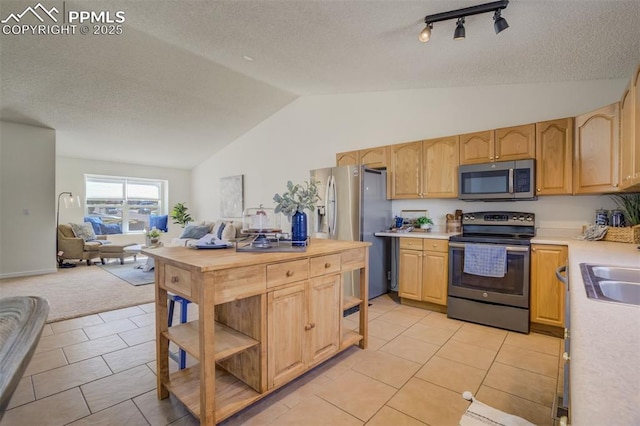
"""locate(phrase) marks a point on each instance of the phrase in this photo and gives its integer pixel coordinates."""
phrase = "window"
(117, 205)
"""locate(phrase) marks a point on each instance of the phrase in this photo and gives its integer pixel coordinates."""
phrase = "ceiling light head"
(425, 35)
(459, 33)
(499, 24)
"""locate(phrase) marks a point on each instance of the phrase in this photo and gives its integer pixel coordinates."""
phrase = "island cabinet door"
(286, 315)
(323, 327)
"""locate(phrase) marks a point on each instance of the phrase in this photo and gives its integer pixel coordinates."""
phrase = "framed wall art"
(231, 196)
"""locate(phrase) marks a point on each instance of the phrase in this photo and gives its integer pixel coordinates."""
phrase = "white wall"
(27, 218)
(70, 177)
(308, 133)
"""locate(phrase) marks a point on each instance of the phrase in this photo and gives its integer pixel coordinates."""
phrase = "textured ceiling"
(174, 88)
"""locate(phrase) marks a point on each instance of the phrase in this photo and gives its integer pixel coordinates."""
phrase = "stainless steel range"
(489, 269)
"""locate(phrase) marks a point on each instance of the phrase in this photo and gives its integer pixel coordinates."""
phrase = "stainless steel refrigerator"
(353, 206)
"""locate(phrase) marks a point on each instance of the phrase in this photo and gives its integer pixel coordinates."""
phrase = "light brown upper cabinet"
(596, 151)
(440, 167)
(554, 156)
(350, 158)
(506, 144)
(627, 136)
(376, 158)
(425, 169)
(630, 135)
(406, 170)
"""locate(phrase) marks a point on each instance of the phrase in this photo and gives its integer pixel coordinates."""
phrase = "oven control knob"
(466, 217)
(485, 295)
(472, 217)
(529, 218)
(514, 218)
(521, 218)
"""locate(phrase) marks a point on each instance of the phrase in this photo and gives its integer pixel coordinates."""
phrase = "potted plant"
(153, 236)
(424, 222)
(293, 203)
(179, 214)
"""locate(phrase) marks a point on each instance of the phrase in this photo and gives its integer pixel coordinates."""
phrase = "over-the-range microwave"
(505, 180)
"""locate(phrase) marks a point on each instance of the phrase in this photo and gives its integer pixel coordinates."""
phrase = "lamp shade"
(71, 201)
(459, 33)
(500, 24)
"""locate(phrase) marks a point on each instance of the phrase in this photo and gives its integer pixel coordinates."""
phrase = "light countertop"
(417, 234)
(605, 336)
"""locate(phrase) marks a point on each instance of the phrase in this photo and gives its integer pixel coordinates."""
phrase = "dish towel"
(479, 414)
(488, 260)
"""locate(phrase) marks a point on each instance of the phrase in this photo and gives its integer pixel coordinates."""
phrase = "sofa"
(222, 229)
(73, 247)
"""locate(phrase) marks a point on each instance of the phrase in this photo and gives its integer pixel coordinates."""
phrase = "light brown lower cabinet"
(423, 270)
(303, 327)
(547, 293)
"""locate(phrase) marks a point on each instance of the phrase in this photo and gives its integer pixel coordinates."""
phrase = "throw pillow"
(83, 230)
(194, 231)
(160, 222)
(224, 230)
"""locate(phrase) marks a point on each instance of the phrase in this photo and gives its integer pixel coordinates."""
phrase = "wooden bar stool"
(181, 356)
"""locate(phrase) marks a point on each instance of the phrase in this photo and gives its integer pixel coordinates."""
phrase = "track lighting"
(425, 34)
(459, 33)
(499, 24)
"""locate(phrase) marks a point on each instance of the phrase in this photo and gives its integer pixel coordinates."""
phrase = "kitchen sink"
(612, 283)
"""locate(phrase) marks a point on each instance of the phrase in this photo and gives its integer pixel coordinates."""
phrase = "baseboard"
(424, 305)
(28, 273)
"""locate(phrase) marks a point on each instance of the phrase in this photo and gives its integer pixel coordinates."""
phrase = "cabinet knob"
(538, 189)
(497, 156)
(175, 279)
(327, 265)
(434, 245)
(309, 326)
(289, 273)
(566, 357)
(615, 185)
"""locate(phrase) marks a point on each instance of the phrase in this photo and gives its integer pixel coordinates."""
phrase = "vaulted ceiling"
(176, 86)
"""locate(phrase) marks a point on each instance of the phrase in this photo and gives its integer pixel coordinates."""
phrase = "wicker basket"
(629, 234)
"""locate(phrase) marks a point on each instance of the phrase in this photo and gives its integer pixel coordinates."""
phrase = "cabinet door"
(286, 321)
(627, 137)
(477, 147)
(596, 151)
(636, 145)
(554, 157)
(406, 170)
(351, 158)
(515, 143)
(323, 332)
(434, 277)
(410, 274)
(440, 163)
(547, 293)
(376, 158)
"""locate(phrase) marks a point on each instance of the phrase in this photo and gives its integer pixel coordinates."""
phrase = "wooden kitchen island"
(264, 319)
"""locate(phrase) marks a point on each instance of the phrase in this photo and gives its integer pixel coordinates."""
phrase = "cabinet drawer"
(287, 272)
(411, 243)
(238, 283)
(353, 259)
(435, 245)
(324, 265)
(177, 280)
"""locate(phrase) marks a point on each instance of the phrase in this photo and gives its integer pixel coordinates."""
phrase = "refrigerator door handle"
(329, 206)
(334, 207)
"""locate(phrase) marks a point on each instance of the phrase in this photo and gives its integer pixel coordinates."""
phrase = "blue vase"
(299, 229)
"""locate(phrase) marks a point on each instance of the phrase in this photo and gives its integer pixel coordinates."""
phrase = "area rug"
(79, 291)
(130, 272)
(479, 414)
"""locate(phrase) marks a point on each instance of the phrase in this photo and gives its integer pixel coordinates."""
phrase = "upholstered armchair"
(76, 248)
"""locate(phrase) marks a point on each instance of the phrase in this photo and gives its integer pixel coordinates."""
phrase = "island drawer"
(238, 283)
(323, 265)
(353, 259)
(287, 272)
(177, 280)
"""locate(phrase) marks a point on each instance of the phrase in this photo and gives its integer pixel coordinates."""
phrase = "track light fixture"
(499, 23)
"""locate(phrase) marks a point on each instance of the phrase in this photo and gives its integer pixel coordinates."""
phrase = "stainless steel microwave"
(505, 180)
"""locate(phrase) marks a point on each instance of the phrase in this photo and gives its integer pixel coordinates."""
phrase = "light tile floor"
(100, 369)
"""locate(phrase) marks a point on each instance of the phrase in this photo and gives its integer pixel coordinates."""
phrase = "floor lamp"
(69, 201)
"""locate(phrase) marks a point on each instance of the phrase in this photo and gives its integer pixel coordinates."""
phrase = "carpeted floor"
(79, 291)
(130, 272)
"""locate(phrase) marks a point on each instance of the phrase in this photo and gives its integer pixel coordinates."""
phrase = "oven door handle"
(509, 248)
(510, 181)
